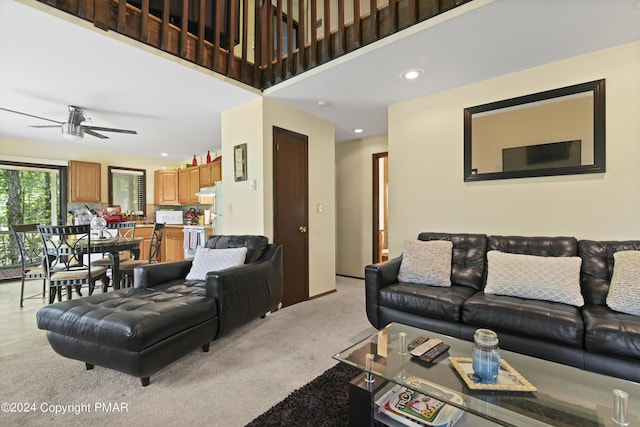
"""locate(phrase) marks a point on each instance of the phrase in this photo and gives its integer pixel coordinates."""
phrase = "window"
(127, 189)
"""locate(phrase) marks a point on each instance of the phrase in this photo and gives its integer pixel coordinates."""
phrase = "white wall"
(322, 226)
(243, 208)
(354, 203)
(251, 212)
(426, 187)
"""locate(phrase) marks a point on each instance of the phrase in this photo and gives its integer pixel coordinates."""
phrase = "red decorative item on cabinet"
(195, 161)
(208, 157)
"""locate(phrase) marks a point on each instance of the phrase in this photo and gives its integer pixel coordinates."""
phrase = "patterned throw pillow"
(427, 262)
(207, 260)
(534, 277)
(624, 290)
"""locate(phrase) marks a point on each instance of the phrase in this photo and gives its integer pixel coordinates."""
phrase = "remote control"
(433, 353)
(416, 342)
(424, 347)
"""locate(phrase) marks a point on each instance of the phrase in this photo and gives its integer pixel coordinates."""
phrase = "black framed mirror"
(556, 132)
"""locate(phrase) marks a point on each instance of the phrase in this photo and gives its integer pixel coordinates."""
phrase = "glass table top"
(564, 396)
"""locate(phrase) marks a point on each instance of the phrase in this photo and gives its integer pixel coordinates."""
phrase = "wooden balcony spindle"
(290, 38)
(301, 36)
(233, 18)
(313, 29)
(217, 29)
(341, 35)
(357, 36)
(201, 21)
(375, 27)
(184, 28)
(164, 39)
(144, 24)
(122, 16)
(279, 55)
(245, 41)
(327, 31)
(259, 51)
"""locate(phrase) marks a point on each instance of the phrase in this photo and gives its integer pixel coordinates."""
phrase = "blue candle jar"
(486, 356)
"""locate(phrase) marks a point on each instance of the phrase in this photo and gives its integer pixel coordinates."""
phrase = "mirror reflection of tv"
(542, 156)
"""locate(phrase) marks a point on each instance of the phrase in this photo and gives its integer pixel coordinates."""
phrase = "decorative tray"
(508, 378)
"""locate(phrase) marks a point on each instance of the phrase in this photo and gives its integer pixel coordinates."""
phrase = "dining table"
(112, 246)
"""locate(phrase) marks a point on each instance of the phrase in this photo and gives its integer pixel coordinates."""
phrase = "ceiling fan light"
(71, 132)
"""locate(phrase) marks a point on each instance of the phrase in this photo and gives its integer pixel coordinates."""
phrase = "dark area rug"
(322, 402)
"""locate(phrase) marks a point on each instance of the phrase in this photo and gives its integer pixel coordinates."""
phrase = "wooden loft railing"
(241, 39)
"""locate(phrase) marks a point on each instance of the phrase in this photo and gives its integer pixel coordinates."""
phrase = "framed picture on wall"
(240, 162)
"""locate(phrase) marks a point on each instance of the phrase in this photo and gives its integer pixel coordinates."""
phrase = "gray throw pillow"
(426, 262)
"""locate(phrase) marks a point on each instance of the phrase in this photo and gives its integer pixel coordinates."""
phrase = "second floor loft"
(259, 43)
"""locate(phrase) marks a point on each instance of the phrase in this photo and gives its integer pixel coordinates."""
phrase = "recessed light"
(322, 103)
(412, 74)
(358, 130)
(164, 154)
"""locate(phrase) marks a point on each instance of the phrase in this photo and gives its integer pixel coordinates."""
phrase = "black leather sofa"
(140, 330)
(592, 337)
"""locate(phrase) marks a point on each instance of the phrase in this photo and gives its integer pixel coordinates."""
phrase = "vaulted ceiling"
(47, 63)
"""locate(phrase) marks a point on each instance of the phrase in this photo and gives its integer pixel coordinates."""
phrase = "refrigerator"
(217, 209)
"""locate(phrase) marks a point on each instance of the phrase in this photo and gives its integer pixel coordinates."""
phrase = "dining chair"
(31, 257)
(124, 230)
(126, 267)
(68, 250)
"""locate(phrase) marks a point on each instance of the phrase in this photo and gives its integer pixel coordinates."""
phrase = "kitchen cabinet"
(166, 187)
(173, 244)
(188, 185)
(84, 182)
(210, 173)
(145, 233)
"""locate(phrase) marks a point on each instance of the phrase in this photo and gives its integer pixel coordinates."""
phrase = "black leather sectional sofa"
(591, 337)
(140, 330)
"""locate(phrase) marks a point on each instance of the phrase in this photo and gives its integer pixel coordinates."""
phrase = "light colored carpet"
(242, 376)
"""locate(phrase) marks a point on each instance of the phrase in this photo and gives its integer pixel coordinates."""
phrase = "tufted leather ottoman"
(135, 331)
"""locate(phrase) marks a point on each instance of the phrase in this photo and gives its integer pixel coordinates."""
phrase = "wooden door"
(291, 213)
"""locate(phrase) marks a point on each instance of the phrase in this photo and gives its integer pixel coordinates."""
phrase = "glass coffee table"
(563, 396)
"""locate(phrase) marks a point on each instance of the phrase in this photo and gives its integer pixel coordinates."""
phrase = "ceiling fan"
(73, 128)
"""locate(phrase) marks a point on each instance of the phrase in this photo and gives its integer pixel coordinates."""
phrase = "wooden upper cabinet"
(210, 173)
(85, 182)
(189, 185)
(166, 187)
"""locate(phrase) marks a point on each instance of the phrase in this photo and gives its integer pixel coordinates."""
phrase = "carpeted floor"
(321, 403)
(241, 377)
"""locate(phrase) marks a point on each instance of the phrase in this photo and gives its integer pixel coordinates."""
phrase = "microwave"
(169, 217)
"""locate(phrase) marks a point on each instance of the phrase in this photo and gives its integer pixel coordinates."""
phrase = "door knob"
(302, 229)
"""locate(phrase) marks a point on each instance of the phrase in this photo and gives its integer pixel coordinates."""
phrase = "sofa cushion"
(207, 260)
(546, 320)
(534, 277)
(435, 301)
(540, 246)
(597, 266)
(611, 333)
(428, 263)
(467, 259)
(256, 245)
(624, 290)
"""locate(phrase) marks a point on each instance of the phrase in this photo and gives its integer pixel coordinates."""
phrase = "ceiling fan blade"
(30, 115)
(44, 126)
(96, 134)
(132, 132)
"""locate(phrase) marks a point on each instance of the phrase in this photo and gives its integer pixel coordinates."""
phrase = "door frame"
(376, 201)
(275, 131)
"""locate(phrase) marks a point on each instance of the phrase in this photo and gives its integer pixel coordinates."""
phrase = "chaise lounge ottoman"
(134, 331)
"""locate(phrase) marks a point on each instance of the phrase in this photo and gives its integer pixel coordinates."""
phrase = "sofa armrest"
(376, 277)
(246, 292)
(150, 275)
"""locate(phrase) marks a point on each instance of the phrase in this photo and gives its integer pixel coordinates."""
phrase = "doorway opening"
(29, 194)
(380, 206)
